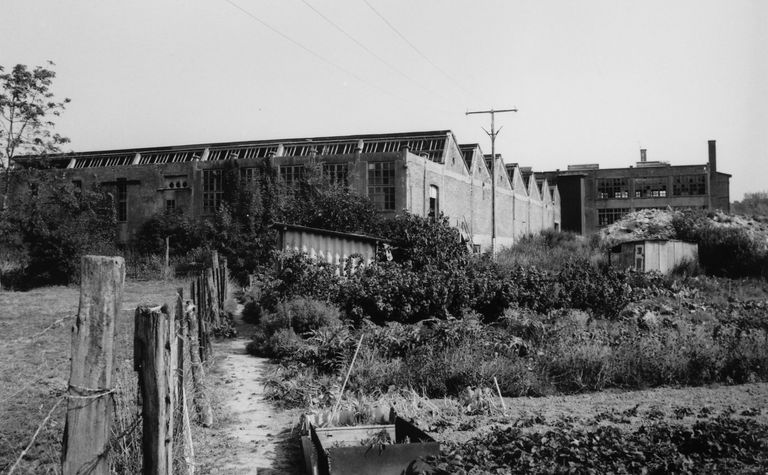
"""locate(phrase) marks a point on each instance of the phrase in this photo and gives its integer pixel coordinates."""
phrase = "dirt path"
(250, 435)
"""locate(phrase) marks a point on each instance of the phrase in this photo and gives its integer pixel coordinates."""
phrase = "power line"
(417, 50)
(310, 51)
(365, 48)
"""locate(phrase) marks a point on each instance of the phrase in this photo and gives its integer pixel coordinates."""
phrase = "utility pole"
(492, 134)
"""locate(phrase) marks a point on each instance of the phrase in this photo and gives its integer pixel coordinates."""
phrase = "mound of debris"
(642, 224)
(657, 224)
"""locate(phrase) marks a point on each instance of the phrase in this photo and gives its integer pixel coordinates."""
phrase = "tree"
(27, 107)
(753, 204)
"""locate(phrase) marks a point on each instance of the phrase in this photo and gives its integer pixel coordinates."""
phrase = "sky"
(593, 80)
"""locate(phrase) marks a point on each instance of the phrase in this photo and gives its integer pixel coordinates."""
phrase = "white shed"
(660, 255)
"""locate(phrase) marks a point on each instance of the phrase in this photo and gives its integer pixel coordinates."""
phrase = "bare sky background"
(594, 80)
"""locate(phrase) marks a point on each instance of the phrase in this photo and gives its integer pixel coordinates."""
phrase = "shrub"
(424, 241)
(731, 252)
(303, 315)
(297, 275)
(548, 251)
(52, 224)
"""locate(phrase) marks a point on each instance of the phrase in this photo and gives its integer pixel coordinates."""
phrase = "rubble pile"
(657, 224)
(642, 224)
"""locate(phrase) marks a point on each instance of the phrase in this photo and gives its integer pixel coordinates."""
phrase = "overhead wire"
(367, 49)
(308, 50)
(318, 55)
(416, 49)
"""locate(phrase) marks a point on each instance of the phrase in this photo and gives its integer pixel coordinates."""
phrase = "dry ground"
(34, 364)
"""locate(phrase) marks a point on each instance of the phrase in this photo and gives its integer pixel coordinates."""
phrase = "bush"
(731, 252)
(302, 315)
(52, 224)
(548, 251)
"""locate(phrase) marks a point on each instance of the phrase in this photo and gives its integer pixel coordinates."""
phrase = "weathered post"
(213, 297)
(181, 422)
(200, 396)
(167, 269)
(224, 291)
(90, 405)
(154, 355)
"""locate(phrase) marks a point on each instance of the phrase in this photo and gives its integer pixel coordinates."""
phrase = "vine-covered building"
(424, 173)
(593, 197)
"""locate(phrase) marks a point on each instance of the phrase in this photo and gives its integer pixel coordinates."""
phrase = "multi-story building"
(592, 198)
(424, 173)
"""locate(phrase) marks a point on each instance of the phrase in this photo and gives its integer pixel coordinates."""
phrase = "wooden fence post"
(181, 423)
(154, 355)
(199, 394)
(90, 405)
(224, 291)
(167, 268)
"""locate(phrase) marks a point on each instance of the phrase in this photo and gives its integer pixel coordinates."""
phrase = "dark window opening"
(610, 216)
(170, 205)
(122, 200)
(686, 185)
(434, 202)
(651, 187)
(609, 188)
(337, 173)
(213, 192)
(291, 174)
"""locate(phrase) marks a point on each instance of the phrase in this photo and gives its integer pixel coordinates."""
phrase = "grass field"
(34, 365)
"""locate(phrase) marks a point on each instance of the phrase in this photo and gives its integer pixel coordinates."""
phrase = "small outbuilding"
(646, 255)
(332, 247)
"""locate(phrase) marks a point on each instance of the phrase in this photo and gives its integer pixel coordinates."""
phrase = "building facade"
(424, 173)
(592, 198)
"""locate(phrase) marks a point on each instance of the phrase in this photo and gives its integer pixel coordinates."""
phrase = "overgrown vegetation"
(721, 445)
(727, 251)
(442, 325)
(241, 229)
(48, 226)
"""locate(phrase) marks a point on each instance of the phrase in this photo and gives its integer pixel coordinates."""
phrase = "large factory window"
(690, 185)
(611, 188)
(381, 185)
(213, 192)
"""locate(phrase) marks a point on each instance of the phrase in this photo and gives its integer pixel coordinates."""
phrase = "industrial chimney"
(643, 157)
(712, 156)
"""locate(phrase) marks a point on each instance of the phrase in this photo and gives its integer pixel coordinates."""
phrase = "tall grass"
(550, 249)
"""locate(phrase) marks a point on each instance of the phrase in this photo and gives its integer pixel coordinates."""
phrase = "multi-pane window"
(689, 185)
(337, 173)
(608, 188)
(250, 176)
(610, 216)
(381, 185)
(122, 200)
(655, 187)
(213, 192)
(291, 174)
(170, 204)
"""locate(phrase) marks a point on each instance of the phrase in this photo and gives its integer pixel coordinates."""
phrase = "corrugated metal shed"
(660, 255)
(328, 246)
